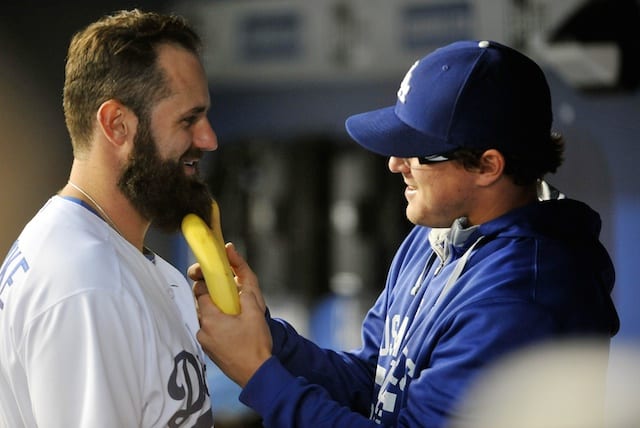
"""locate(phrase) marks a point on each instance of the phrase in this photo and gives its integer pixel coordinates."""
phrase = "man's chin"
(170, 220)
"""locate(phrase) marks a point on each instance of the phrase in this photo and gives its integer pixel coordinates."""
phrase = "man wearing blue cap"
(489, 267)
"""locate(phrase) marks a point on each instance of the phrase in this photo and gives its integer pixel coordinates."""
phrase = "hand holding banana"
(207, 245)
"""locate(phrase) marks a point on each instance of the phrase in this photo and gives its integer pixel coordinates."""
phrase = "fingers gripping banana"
(207, 245)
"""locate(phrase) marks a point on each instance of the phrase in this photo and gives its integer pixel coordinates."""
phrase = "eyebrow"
(196, 110)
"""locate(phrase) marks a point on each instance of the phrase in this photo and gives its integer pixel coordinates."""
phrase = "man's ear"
(115, 121)
(491, 167)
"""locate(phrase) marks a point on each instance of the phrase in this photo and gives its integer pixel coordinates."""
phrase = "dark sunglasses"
(429, 160)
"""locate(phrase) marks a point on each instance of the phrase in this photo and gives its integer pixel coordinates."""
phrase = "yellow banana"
(207, 245)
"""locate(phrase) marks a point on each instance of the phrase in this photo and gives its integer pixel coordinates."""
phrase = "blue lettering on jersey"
(14, 263)
(187, 383)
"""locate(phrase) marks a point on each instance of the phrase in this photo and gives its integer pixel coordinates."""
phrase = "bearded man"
(96, 329)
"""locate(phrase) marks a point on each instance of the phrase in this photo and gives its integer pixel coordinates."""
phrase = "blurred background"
(317, 217)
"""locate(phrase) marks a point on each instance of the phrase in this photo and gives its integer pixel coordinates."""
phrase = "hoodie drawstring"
(457, 271)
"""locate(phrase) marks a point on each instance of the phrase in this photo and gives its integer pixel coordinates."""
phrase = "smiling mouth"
(190, 167)
(409, 186)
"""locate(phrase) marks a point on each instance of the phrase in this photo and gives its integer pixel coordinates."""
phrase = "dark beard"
(159, 189)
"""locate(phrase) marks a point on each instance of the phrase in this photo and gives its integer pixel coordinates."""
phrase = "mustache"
(192, 154)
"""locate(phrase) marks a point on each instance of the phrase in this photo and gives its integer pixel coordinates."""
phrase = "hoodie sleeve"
(308, 386)
(313, 388)
(284, 400)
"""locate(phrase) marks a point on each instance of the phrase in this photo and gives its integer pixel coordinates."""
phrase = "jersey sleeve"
(84, 359)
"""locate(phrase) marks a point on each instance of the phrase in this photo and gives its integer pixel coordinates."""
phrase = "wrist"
(251, 370)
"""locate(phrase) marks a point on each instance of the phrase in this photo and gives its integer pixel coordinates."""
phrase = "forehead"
(185, 75)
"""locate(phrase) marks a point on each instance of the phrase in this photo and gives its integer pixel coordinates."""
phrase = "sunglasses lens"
(433, 159)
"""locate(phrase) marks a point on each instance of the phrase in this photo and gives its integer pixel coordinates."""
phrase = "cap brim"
(382, 132)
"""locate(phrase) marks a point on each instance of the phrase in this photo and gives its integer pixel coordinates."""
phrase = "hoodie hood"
(564, 219)
(566, 230)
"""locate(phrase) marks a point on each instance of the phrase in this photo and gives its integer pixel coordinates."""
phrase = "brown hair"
(116, 58)
(525, 168)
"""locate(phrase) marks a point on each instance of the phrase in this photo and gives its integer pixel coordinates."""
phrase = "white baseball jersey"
(93, 333)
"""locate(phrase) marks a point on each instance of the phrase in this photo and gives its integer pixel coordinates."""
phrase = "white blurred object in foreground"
(570, 384)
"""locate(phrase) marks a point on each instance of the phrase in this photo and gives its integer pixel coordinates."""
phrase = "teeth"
(190, 163)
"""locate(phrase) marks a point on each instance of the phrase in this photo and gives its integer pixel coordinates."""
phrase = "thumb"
(200, 288)
(194, 272)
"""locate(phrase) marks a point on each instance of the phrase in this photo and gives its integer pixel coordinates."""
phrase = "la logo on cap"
(405, 86)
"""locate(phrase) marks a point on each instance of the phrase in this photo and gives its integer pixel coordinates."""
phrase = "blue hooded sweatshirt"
(455, 300)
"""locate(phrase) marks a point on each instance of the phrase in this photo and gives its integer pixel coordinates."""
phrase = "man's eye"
(189, 120)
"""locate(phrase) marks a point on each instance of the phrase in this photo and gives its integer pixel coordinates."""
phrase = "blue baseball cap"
(471, 94)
